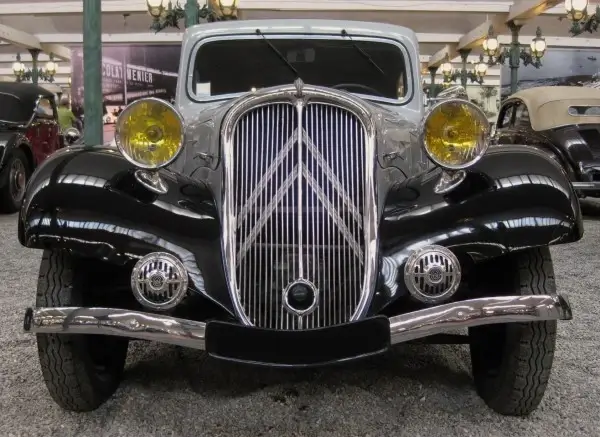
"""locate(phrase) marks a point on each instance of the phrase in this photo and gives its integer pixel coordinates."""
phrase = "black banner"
(130, 73)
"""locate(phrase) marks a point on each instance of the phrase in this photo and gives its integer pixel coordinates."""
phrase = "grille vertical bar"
(297, 176)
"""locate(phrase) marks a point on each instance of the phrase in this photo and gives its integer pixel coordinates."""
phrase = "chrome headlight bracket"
(152, 181)
(449, 180)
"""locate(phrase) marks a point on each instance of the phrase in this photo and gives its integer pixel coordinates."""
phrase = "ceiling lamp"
(165, 15)
(447, 67)
(576, 9)
(51, 66)
(582, 21)
(18, 68)
(156, 7)
(23, 73)
(481, 67)
(491, 47)
(538, 44)
(226, 9)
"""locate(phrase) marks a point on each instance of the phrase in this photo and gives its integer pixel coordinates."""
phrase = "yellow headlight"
(455, 134)
(149, 133)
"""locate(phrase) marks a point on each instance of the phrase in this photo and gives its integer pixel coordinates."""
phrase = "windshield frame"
(191, 63)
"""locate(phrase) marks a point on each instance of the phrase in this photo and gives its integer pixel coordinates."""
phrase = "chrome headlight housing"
(455, 134)
(150, 133)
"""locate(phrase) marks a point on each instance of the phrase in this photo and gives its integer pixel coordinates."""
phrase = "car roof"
(299, 26)
(537, 96)
(27, 92)
(548, 106)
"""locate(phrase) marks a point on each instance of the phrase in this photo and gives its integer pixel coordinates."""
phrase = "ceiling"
(439, 25)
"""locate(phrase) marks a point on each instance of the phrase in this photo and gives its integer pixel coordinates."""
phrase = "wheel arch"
(26, 149)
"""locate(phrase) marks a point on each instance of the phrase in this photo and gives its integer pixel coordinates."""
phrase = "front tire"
(17, 173)
(80, 371)
(512, 362)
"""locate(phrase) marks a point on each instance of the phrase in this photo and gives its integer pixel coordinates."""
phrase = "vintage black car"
(562, 120)
(29, 133)
(289, 212)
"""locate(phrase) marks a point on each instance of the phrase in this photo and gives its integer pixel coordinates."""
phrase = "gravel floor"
(417, 391)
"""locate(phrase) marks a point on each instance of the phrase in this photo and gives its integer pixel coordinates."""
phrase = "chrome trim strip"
(189, 333)
(477, 312)
(300, 106)
(586, 185)
(286, 95)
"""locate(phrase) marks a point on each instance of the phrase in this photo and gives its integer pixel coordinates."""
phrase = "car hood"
(395, 130)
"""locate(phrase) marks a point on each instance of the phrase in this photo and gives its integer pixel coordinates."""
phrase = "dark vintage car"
(288, 211)
(562, 120)
(29, 133)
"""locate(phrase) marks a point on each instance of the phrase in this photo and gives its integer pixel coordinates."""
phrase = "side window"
(45, 109)
(522, 116)
(505, 116)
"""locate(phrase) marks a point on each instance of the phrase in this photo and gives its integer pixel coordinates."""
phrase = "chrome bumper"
(189, 333)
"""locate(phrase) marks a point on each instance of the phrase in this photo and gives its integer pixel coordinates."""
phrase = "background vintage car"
(29, 133)
(288, 212)
(562, 120)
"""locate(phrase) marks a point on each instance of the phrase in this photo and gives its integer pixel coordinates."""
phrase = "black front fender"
(514, 198)
(88, 201)
(11, 141)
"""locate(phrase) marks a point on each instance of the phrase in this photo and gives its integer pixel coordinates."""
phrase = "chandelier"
(164, 14)
(22, 73)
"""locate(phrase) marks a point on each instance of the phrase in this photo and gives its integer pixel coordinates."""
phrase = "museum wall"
(561, 66)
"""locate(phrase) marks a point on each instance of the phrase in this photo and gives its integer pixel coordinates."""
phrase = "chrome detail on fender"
(448, 181)
(151, 180)
(477, 312)
(432, 274)
(189, 333)
(389, 272)
(159, 281)
(303, 209)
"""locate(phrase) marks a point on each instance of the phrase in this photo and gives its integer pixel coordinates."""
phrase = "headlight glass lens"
(149, 133)
(455, 134)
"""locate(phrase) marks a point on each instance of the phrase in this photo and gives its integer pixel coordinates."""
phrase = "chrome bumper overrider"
(189, 333)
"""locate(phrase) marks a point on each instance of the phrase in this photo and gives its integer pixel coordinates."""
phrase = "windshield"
(370, 68)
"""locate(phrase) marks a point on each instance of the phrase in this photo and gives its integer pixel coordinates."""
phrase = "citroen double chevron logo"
(300, 172)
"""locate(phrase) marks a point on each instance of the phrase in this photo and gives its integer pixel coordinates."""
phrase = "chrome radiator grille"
(297, 178)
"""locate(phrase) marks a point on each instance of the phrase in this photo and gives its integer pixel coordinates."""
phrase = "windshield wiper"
(277, 52)
(362, 52)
